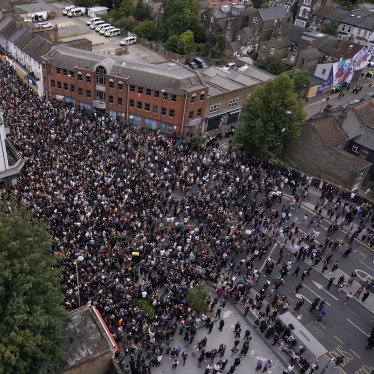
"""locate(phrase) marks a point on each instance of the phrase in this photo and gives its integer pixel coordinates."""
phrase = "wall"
(324, 162)
(98, 365)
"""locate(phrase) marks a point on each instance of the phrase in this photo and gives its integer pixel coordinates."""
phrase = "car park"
(368, 96)
(229, 66)
(128, 40)
(192, 65)
(96, 24)
(93, 20)
(103, 25)
(113, 32)
(106, 29)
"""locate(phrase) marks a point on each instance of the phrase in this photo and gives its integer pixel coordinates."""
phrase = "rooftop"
(329, 132)
(365, 112)
(274, 13)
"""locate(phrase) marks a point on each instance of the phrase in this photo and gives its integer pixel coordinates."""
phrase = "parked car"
(192, 65)
(128, 40)
(368, 96)
(200, 62)
(45, 25)
(229, 66)
(93, 20)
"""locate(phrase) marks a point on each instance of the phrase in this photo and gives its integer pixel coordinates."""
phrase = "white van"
(114, 32)
(93, 20)
(67, 10)
(101, 26)
(96, 24)
(76, 12)
(105, 29)
(128, 40)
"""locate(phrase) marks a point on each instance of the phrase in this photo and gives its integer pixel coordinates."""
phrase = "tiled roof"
(274, 13)
(360, 163)
(347, 50)
(324, 11)
(329, 132)
(365, 112)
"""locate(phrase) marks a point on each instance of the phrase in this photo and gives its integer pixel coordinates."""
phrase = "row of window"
(215, 107)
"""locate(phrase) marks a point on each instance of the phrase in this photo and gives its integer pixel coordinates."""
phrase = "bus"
(128, 40)
(113, 32)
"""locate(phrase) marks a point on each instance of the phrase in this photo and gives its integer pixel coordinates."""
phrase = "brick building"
(167, 96)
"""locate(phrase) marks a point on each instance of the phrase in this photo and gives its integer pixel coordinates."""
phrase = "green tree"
(30, 298)
(265, 120)
(142, 11)
(271, 64)
(330, 28)
(187, 42)
(260, 4)
(196, 298)
(301, 80)
(127, 8)
(173, 44)
(147, 30)
(125, 23)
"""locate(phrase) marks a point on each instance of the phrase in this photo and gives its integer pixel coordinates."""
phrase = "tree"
(260, 4)
(196, 298)
(301, 80)
(142, 12)
(127, 8)
(30, 297)
(173, 44)
(147, 30)
(265, 121)
(271, 64)
(330, 28)
(125, 23)
(187, 42)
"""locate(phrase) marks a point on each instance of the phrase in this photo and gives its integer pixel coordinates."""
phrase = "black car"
(192, 65)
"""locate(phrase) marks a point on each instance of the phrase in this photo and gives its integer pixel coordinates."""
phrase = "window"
(72, 88)
(80, 76)
(229, 25)
(233, 102)
(163, 111)
(88, 78)
(264, 48)
(120, 85)
(190, 114)
(272, 50)
(80, 91)
(119, 101)
(111, 99)
(131, 103)
(214, 108)
(228, 33)
(58, 70)
(292, 58)
(211, 19)
(193, 98)
(302, 61)
(155, 109)
(132, 88)
(166, 127)
(59, 86)
(199, 112)
(111, 83)
(100, 75)
(66, 86)
(255, 20)
(355, 149)
(173, 98)
(147, 107)
(140, 90)
(307, 2)
(349, 28)
(139, 105)
(156, 93)
(88, 93)
(148, 92)
(71, 73)
(343, 27)
(53, 83)
(171, 113)
(202, 96)
(164, 96)
(323, 71)
(100, 95)
(64, 72)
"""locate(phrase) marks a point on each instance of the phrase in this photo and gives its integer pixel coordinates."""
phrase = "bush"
(146, 307)
(196, 298)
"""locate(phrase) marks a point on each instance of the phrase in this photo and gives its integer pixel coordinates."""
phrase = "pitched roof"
(24, 40)
(18, 34)
(8, 28)
(328, 44)
(324, 11)
(281, 43)
(365, 112)
(329, 132)
(274, 13)
(292, 32)
(311, 54)
(347, 50)
(358, 162)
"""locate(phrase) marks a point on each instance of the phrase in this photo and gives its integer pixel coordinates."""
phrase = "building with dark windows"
(168, 96)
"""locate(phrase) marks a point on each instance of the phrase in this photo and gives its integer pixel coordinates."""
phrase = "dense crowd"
(152, 215)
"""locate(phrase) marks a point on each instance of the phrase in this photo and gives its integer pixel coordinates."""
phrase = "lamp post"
(79, 259)
(288, 113)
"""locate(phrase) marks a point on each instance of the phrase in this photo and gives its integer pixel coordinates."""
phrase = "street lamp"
(79, 259)
(288, 113)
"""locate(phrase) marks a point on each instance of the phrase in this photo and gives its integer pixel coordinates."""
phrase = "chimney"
(309, 45)
(341, 117)
(326, 111)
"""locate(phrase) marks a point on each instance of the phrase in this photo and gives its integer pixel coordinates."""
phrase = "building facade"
(169, 96)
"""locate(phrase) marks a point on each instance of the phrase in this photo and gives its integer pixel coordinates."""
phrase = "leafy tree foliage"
(330, 28)
(215, 43)
(260, 4)
(173, 44)
(126, 23)
(196, 298)
(30, 300)
(265, 121)
(143, 11)
(85, 3)
(147, 30)
(271, 64)
(187, 42)
(301, 80)
(127, 8)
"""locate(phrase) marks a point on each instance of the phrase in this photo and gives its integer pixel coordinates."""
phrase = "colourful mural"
(341, 72)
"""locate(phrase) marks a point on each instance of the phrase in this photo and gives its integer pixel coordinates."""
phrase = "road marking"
(300, 296)
(320, 287)
(355, 353)
(316, 294)
(357, 327)
(338, 339)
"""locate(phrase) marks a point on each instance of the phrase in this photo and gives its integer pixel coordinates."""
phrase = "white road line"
(329, 294)
(316, 294)
(300, 296)
(357, 327)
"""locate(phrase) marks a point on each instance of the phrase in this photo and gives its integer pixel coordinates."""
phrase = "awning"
(99, 104)
(301, 333)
